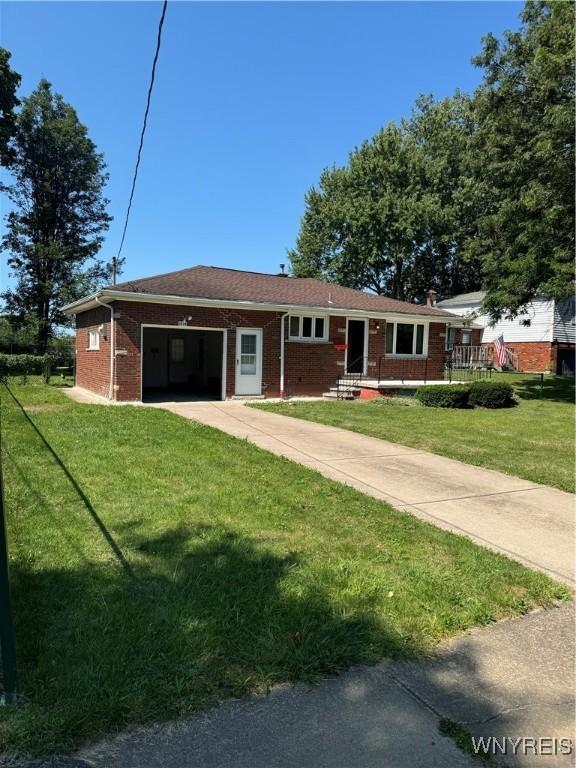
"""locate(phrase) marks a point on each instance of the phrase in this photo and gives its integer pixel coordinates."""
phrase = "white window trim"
(417, 356)
(93, 346)
(308, 339)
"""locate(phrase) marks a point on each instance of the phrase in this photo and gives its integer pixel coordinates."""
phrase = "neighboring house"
(219, 333)
(543, 337)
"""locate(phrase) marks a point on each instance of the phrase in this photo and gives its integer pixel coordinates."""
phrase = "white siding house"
(543, 336)
(535, 324)
(565, 320)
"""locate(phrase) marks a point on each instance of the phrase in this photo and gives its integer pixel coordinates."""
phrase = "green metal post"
(6, 625)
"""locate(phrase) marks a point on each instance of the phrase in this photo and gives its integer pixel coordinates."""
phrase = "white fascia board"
(81, 305)
(107, 296)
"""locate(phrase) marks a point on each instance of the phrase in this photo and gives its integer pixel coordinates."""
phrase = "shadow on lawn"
(210, 615)
(558, 388)
(75, 485)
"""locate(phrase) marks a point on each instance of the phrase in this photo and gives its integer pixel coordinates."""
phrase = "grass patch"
(534, 441)
(463, 740)
(159, 566)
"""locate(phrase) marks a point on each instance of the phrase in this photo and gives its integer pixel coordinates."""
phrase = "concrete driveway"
(530, 523)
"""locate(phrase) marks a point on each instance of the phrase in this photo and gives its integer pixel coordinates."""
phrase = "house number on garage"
(182, 322)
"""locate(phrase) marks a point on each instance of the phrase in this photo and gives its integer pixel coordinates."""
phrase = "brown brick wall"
(93, 366)
(534, 356)
(412, 368)
(310, 368)
(132, 315)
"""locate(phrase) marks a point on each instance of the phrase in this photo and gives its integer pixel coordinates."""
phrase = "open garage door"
(182, 363)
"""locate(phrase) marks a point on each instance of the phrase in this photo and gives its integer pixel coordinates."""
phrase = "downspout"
(282, 393)
(111, 392)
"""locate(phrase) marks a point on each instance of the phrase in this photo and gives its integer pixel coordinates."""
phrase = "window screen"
(177, 350)
(295, 325)
(419, 339)
(389, 338)
(93, 340)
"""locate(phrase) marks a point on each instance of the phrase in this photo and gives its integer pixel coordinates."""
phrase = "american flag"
(500, 350)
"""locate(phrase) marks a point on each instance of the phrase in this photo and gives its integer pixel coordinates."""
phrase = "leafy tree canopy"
(524, 147)
(9, 82)
(59, 215)
(468, 193)
(392, 219)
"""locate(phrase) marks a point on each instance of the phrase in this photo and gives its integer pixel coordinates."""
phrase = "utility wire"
(151, 86)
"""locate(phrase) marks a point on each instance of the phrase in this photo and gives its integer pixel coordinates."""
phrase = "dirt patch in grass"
(44, 407)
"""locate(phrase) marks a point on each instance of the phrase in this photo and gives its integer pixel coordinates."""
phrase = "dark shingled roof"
(235, 285)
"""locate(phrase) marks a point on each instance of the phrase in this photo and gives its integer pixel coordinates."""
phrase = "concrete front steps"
(342, 394)
(345, 389)
(352, 390)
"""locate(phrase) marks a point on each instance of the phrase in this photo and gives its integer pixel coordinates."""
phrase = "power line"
(151, 86)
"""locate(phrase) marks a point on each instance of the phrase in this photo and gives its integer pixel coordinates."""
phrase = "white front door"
(248, 361)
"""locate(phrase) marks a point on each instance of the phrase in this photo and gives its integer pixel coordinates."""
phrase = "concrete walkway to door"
(530, 523)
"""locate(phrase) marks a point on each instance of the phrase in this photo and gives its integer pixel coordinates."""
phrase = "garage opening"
(182, 364)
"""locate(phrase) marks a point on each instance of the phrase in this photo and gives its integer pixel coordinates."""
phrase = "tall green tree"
(393, 219)
(524, 147)
(358, 224)
(59, 213)
(9, 82)
(442, 132)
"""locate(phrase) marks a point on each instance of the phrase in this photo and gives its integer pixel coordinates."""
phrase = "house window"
(307, 328)
(405, 338)
(93, 340)
(248, 354)
(177, 349)
(449, 345)
(466, 338)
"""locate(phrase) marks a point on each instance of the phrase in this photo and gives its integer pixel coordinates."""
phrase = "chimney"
(431, 297)
(282, 273)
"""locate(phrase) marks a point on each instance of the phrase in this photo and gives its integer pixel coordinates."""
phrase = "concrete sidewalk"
(530, 523)
(514, 679)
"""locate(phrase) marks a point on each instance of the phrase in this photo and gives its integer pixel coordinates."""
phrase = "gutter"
(111, 393)
(190, 301)
(282, 343)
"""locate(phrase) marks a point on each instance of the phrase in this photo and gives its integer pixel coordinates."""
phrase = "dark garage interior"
(181, 364)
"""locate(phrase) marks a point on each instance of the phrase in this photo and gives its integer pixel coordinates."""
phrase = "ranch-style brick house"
(221, 333)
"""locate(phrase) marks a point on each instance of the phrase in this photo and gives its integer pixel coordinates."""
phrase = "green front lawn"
(534, 441)
(159, 566)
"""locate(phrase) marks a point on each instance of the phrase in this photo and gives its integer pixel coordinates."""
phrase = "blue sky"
(252, 101)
